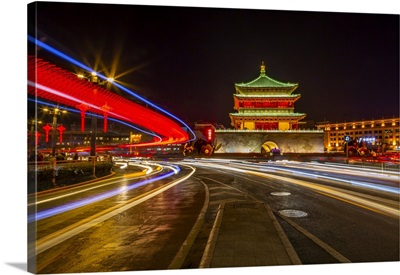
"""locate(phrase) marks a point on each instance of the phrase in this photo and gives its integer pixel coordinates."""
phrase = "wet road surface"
(166, 222)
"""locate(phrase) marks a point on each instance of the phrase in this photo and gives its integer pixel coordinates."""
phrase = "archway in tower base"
(270, 147)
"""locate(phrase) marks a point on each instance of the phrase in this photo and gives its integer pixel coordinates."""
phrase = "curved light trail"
(74, 229)
(79, 64)
(79, 203)
(57, 85)
(52, 83)
(337, 193)
(318, 170)
(159, 168)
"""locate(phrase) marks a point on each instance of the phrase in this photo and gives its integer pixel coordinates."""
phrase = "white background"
(13, 108)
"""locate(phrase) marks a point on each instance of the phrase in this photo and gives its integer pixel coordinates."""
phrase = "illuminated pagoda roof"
(265, 82)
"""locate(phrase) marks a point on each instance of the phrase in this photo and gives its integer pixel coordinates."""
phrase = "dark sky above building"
(186, 60)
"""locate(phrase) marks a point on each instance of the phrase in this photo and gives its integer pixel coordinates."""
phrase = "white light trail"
(330, 191)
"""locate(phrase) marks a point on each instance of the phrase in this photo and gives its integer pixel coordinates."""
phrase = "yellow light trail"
(328, 191)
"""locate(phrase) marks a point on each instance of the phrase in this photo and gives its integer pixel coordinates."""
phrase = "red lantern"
(105, 108)
(61, 129)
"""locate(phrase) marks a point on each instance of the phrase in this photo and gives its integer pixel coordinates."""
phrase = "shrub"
(68, 174)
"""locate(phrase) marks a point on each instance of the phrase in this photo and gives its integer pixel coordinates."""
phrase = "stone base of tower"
(265, 142)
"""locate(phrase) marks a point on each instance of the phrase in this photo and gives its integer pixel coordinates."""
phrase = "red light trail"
(50, 82)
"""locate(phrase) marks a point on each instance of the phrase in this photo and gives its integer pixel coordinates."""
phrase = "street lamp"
(94, 78)
(93, 134)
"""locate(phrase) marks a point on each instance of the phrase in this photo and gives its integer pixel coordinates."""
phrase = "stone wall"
(286, 141)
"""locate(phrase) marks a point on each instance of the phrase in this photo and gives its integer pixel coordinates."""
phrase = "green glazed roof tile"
(264, 81)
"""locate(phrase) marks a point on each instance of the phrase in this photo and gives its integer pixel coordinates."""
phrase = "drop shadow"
(21, 266)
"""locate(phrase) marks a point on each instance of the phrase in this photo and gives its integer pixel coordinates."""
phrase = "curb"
(187, 244)
(212, 240)
(286, 243)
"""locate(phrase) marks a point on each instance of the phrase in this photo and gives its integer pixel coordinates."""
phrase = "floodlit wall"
(291, 141)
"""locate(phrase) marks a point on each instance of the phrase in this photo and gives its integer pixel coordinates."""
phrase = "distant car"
(275, 151)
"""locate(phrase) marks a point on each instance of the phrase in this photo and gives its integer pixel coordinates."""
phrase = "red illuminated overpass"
(52, 83)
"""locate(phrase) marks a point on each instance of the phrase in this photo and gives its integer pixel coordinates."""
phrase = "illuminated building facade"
(382, 133)
(265, 104)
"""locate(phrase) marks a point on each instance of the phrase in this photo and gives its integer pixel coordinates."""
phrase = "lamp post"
(347, 139)
(93, 77)
(93, 134)
(33, 134)
(55, 112)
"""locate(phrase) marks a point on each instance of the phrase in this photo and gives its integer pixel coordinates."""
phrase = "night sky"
(187, 60)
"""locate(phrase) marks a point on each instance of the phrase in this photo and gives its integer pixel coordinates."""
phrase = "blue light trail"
(79, 64)
(76, 204)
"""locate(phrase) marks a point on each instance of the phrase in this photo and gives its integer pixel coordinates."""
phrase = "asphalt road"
(162, 219)
(326, 220)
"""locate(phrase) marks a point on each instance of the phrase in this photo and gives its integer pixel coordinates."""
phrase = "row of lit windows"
(358, 137)
(75, 138)
(77, 143)
(386, 131)
(354, 126)
(333, 144)
(173, 146)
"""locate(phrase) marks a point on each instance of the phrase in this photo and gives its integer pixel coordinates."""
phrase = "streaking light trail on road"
(74, 229)
(341, 194)
(76, 204)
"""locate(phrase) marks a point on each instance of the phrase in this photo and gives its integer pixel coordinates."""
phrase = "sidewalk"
(247, 234)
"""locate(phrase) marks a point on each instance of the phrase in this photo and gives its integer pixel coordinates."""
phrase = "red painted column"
(105, 109)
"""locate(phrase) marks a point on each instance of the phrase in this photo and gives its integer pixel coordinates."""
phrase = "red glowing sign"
(209, 133)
